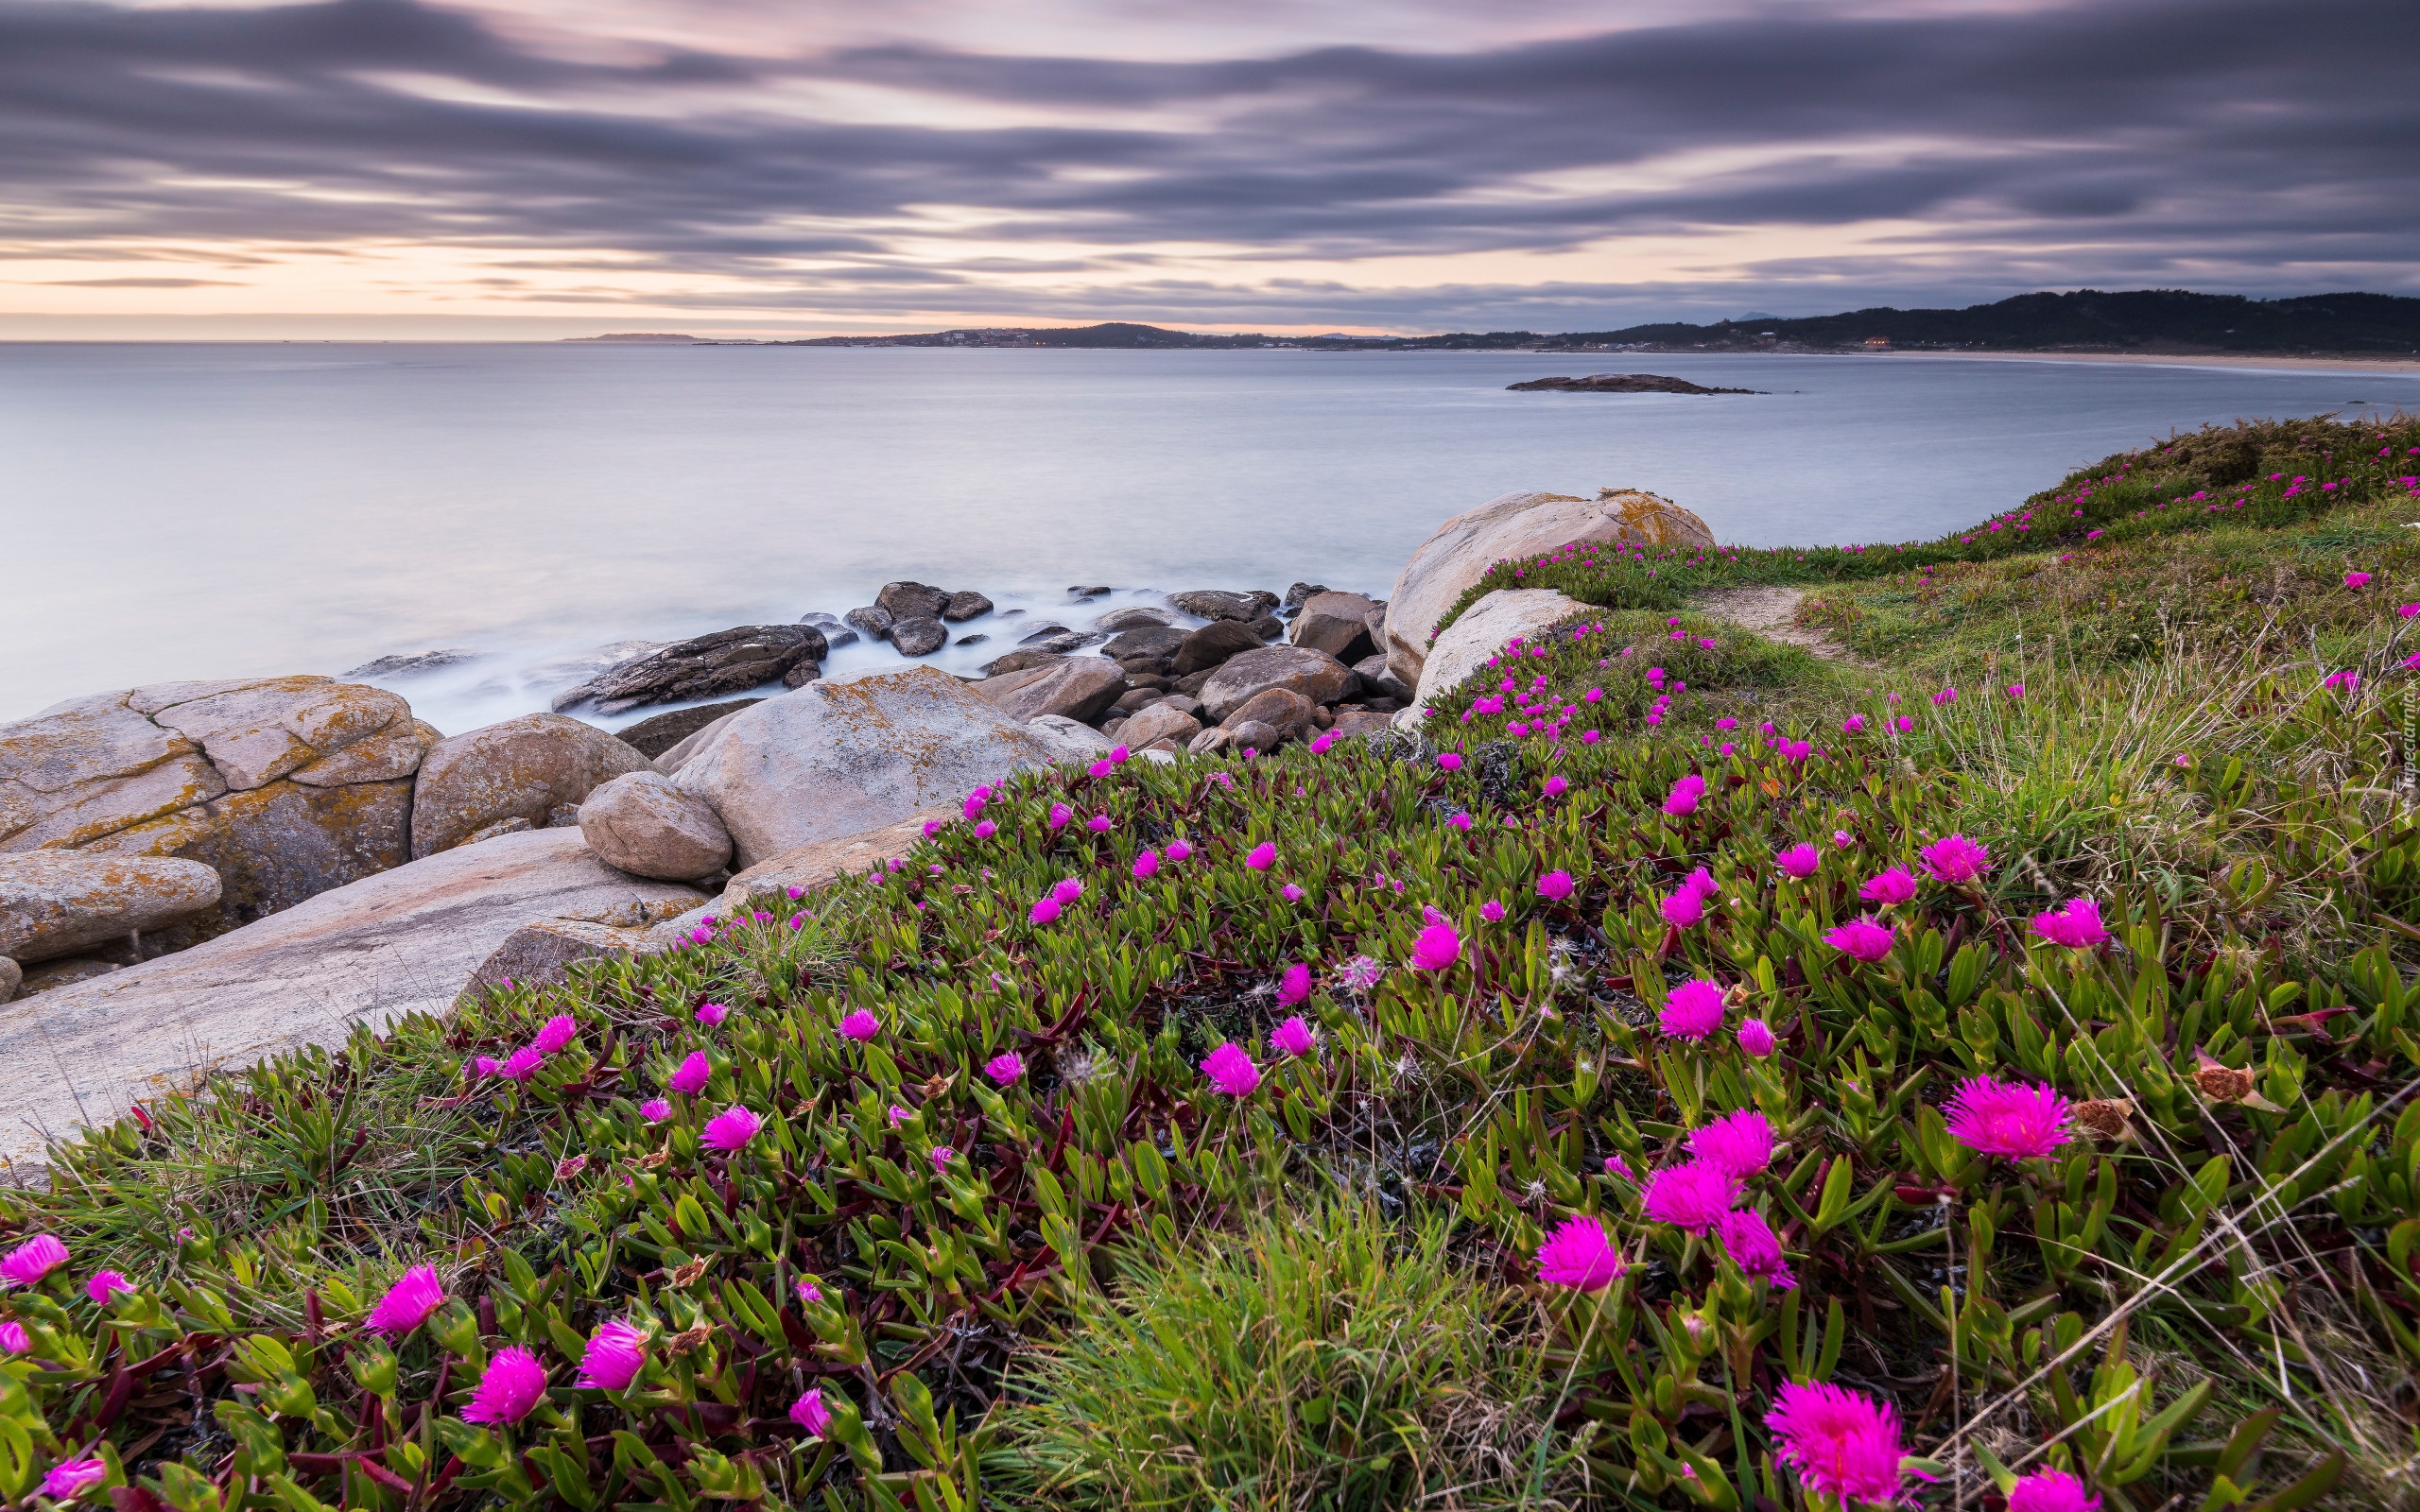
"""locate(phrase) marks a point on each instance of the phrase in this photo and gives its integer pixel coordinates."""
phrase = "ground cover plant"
(1681, 1074)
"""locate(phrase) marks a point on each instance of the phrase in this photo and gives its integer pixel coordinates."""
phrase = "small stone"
(1089, 592)
(910, 601)
(871, 620)
(965, 606)
(971, 639)
(414, 665)
(1134, 617)
(644, 824)
(1211, 645)
(1043, 632)
(1019, 661)
(1209, 741)
(1301, 593)
(1252, 735)
(1220, 604)
(921, 636)
(11, 976)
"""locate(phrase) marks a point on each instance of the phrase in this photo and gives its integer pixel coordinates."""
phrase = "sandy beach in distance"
(2351, 366)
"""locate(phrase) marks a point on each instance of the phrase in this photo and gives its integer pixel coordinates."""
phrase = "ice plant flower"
(2015, 1121)
(522, 1063)
(2356, 580)
(1006, 1069)
(2078, 926)
(1953, 858)
(862, 1026)
(2050, 1491)
(1146, 863)
(70, 1479)
(13, 1339)
(1045, 911)
(810, 1413)
(1896, 886)
(1580, 1256)
(731, 1129)
(1067, 890)
(1264, 856)
(986, 829)
(655, 1109)
(106, 1284)
(943, 1155)
(1555, 887)
(1684, 908)
(1292, 893)
(1556, 786)
(1230, 1069)
(1844, 1444)
(1682, 800)
(514, 1383)
(1756, 1037)
(1693, 1197)
(1100, 824)
(407, 1303)
(31, 1261)
(1179, 851)
(559, 1031)
(807, 1290)
(1059, 815)
(1861, 938)
(1801, 860)
(712, 1014)
(1616, 1165)
(615, 1354)
(693, 1074)
(1292, 1037)
(1692, 1011)
(1437, 947)
(1492, 911)
(1449, 760)
(1753, 1246)
(1294, 985)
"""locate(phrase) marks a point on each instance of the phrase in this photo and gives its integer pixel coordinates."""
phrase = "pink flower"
(2050, 1491)
(1492, 911)
(2077, 927)
(522, 1063)
(1944, 696)
(514, 1383)
(712, 1014)
(1616, 1165)
(1852, 723)
(1006, 1069)
(1100, 824)
(691, 1078)
(862, 1026)
(1693, 1197)
(1799, 859)
(1953, 858)
(1740, 1143)
(1230, 1069)
(32, 1260)
(1753, 1246)
(70, 1479)
(1264, 856)
(615, 1352)
(1861, 938)
(943, 1155)
(1118, 755)
(976, 800)
(898, 1115)
(1578, 1255)
(1147, 864)
(1905, 723)
(731, 1129)
(1327, 738)
(1293, 894)
(1844, 1444)
(932, 827)
(106, 1284)
(808, 1292)
(2356, 580)
(1293, 1037)
(1756, 1037)
(1461, 821)
(558, 1032)
(986, 829)
(2015, 1121)
(1555, 887)
(1896, 886)
(1067, 890)
(1684, 908)
(1059, 815)
(1437, 947)
(2016, 690)
(1449, 760)
(484, 1067)
(1556, 786)
(1693, 1010)
(1045, 911)
(1179, 851)
(407, 1303)
(810, 1413)
(655, 1109)
(1684, 799)
(1294, 985)
(13, 1339)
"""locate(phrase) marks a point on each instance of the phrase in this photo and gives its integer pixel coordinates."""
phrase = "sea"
(203, 510)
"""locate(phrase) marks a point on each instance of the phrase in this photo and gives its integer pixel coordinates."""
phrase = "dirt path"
(1771, 614)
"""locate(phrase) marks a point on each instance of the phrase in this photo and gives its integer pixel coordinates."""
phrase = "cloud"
(140, 282)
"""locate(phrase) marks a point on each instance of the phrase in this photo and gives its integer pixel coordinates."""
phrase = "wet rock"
(1080, 687)
(965, 606)
(707, 667)
(653, 737)
(517, 768)
(919, 636)
(57, 902)
(1211, 645)
(1315, 675)
(1150, 644)
(870, 620)
(415, 664)
(1089, 592)
(1221, 604)
(1043, 632)
(835, 630)
(644, 824)
(1338, 624)
(1302, 593)
(1134, 617)
(909, 600)
(971, 639)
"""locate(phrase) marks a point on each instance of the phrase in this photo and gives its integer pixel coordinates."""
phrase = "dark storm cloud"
(2127, 143)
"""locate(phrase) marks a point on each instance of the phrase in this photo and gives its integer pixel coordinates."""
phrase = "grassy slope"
(1322, 1294)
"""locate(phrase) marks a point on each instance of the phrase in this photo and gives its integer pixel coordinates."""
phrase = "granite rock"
(1315, 675)
(648, 826)
(517, 768)
(57, 902)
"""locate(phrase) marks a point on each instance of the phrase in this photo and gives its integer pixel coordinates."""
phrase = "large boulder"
(55, 902)
(835, 759)
(653, 737)
(276, 846)
(965, 605)
(1315, 675)
(1151, 641)
(1484, 629)
(400, 942)
(1076, 740)
(911, 601)
(1211, 645)
(1222, 604)
(1282, 709)
(1080, 687)
(647, 826)
(1338, 624)
(918, 635)
(84, 769)
(259, 729)
(1160, 721)
(871, 620)
(1461, 550)
(520, 768)
(708, 666)
(11, 975)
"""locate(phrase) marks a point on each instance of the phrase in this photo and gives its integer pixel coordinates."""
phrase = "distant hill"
(646, 338)
(2174, 321)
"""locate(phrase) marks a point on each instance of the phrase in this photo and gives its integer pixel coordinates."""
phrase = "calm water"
(203, 511)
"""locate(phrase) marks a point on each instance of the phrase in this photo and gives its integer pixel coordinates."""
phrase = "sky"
(528, 169)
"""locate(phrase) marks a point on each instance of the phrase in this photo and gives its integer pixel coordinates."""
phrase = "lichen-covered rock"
(83, 769)
(519, 768)
(11, 976)
(276, 846)
(648, 826)
(56, 902)
(1485, 628)
(1315, 675)
(912, 601)
(256, 731)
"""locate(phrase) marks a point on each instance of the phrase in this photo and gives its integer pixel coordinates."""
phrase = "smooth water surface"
(179, 511)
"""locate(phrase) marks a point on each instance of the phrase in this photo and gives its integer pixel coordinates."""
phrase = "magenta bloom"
(557, 1032)
(1756, 1037)
(1578, 1255)
(1449, 760)
(13, 1339)
(1230, 1069)
(1616, 1165)
(1146, 863)
(106, 1284)
(2356, 580)
(1264, 856)
(1294, 894)
(70, 1479)
(2078, 926)
(1740, 1143)
(691, 1078)
(1492, 911)
(655, 1109)
(2014, 1120)
(1100, 768)
(1045, 911)
(522, 1063)
(1437, 947)
(2050, 1491)
(810, 1413)
(1100, 824)
(1755, 1248)
(1861, 938)
(32, 1260)
(1896, 886)
(1179, 851)
(1292, 1037)
(514, 1383)
(1006, 1069)
(1799, 859)
(1556, 786)
(943, 1155)
(1684, 909)
(808, 1291)
(407, 1303)
(731, 1129)
(1555, 887)
(1692, 1011)
(1684, 799)
(1059, 815)
(1954, 858)
(1845, 1445)
(712, 1014)
(1294, 985)
(1693, 1197)
(615, 1352)
(862, 1026)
